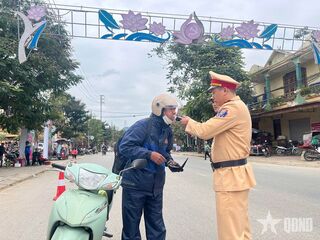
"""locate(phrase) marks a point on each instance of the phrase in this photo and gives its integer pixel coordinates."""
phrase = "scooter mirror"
(139, 163)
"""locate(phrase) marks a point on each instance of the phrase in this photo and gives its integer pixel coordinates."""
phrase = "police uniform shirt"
(231, 130)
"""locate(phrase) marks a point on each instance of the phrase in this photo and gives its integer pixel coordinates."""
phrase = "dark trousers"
(133, 204)
(1, 159)
(206, 153)
(28, 158)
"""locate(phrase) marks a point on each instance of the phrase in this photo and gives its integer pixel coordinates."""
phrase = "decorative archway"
(161, 28)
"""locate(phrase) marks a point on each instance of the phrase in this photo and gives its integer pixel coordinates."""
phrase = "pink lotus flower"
(248, 30)
(157, 28)
(36, 13)
(316, 35)
(133, 22)
(227, 33)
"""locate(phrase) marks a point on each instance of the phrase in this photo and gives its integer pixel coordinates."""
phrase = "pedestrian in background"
(27, 151)
(74, 153)
(2, 151)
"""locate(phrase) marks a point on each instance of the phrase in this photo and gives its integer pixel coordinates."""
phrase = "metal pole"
(101, 102)
(88, 135)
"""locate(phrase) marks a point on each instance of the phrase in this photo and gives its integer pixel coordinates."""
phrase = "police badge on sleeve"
(222, 113)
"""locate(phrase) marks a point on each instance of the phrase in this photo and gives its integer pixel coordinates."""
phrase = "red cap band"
(219, 83)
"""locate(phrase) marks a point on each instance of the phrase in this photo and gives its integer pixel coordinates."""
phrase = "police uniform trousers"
(232, 185)
(232, 215)
(136, 203)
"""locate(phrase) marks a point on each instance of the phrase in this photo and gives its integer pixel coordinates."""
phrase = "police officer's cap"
(219, 80)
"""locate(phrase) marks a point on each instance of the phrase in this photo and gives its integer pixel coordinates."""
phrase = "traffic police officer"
(233, 176)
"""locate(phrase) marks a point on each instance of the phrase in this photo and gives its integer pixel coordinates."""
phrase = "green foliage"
(310, 89)
(274, 102)
(2, 137)
(26, 88)
(112, 134)
(71, 117)
(96, 129)
(188, 73)
(179, 135)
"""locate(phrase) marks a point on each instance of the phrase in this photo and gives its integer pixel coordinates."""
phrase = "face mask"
(167, 120)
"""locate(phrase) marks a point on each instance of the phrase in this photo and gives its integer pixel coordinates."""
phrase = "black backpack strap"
(149, 127)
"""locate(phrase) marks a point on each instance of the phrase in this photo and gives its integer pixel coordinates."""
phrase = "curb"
(22, 180)
(32, 175)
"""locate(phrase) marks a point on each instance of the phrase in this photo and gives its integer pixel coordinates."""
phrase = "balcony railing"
(278, 101)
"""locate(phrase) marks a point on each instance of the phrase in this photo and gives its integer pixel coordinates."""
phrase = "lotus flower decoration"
(133, 22)
(157, 28)
(248, 30)
(190, 32)
(227, 33)
(36, 13)
(316, 35)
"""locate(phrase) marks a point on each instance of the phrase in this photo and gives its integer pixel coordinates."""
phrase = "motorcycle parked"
(291, 150)
(81, 214)
(266, 149)
(11, 158)
(312, 154)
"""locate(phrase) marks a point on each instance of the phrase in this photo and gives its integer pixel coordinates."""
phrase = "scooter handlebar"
(58, 166)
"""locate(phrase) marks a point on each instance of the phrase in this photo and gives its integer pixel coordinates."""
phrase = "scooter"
(292, 150)
(312, 154)
(81, 214)
(266, 149)
(11, 158)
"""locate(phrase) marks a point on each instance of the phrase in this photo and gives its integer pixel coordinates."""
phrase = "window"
(290, 82)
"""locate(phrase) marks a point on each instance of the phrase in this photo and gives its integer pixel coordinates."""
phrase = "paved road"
(290, 194)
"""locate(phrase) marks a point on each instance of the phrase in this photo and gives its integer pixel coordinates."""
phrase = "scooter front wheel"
(69, 233)
(267, 153)
(311, 155)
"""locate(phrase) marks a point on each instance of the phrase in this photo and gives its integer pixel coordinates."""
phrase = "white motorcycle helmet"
(161, 102)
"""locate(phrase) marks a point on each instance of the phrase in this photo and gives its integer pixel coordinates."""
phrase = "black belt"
(233, 163)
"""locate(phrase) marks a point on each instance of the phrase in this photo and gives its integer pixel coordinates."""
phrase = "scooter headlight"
(90, 180)
(69, 175)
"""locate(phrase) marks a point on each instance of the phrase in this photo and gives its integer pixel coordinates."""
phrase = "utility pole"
(88, 130)
(101, 102)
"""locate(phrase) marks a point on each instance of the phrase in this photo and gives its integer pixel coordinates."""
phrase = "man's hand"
(157, 158)
(184, 120)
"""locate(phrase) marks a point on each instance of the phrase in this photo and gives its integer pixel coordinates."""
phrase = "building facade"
(287, 95)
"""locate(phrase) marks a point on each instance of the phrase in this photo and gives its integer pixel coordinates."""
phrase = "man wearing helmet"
(233, 176)
(150, 139)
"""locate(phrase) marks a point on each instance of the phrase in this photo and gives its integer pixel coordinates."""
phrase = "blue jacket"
(27, 150)
(137, 144)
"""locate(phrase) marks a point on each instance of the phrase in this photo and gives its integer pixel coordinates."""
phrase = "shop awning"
(8, 135)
